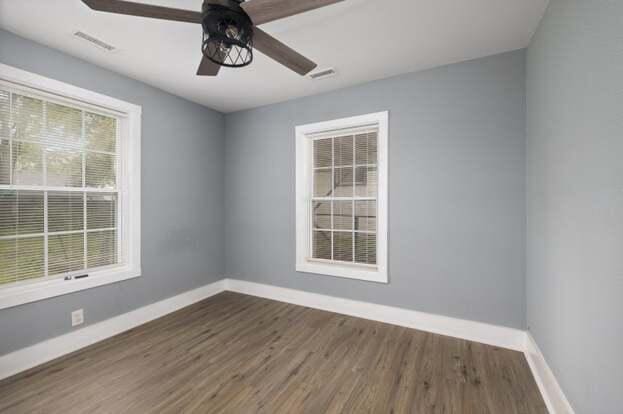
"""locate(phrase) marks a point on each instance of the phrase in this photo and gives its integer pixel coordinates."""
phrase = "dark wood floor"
(241, 354)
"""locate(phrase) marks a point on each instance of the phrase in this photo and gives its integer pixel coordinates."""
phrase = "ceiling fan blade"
(144, 10)
(280, 52)
(264, 11)
(208, 68)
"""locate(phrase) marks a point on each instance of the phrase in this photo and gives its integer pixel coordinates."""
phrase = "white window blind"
(59, 192)
(344, 199)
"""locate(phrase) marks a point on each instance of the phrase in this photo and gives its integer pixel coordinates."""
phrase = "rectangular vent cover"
(94, 41)
(326, 73)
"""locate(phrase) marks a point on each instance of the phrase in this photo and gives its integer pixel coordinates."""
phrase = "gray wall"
(182, 200)
(575, 199)
(457, 193)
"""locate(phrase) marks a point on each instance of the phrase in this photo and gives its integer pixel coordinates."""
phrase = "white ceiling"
(363, 39)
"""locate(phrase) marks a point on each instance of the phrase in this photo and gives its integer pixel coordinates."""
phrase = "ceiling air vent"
(326, 73)
(94, 41)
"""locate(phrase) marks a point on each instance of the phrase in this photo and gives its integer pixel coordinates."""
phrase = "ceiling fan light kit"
(227, 34)
(230, 31)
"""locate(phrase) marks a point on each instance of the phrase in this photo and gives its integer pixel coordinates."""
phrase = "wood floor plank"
(235, 353)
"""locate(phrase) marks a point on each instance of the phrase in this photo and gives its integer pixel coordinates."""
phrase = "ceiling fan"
(230, 31)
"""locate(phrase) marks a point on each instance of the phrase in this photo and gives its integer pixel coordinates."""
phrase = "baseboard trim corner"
(500, 336)
(552, 393)
(42, 352)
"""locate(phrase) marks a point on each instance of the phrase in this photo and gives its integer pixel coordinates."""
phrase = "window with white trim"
(65, 189)
(342, 197)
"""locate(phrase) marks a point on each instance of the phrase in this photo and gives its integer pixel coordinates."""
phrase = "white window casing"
(327, 222)
(66, 203)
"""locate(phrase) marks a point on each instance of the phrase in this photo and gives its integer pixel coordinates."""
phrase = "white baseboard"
(557, 403)
(500, 336)
(553, 395)
(26, 358)
(474, 331)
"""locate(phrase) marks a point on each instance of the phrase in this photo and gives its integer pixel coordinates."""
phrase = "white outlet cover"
(77, 317)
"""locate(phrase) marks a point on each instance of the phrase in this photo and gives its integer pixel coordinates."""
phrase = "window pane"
(27, 163)
(21, 259)
(322, 183)
(343, 215)
(8, 260)
(100, 132)
(365, 248)
(365, 182)
(321, 213)
(64, 168)
(343, 151)
(365, 215)
(30, 258)
(27, 117)
(101, 210)
(101, 248)
(65, 253)
(322, 245)
(343, 246)
(322, 152)
(64, 125)
(100, 170)
(4, 114)
(29, 212)
(65, 211)
(21, 212)
(365, 148)
(5, 162)
(8, 213)
(343, 182)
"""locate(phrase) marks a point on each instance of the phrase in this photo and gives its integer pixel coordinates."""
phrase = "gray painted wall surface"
(457, 190)
(182, 199)
(575, 199)
(457, 193)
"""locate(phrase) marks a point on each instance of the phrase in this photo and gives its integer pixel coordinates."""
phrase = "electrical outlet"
(77, 317)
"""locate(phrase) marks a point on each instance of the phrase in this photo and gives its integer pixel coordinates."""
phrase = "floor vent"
(94, 41)
(326, 73)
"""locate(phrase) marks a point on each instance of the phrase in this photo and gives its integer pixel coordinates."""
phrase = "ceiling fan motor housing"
(227, 33)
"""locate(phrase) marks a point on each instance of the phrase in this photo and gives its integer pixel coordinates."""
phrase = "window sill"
(366, 273)
(18, 295)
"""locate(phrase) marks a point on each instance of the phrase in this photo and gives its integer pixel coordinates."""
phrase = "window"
(68, 201)
(341, 207)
